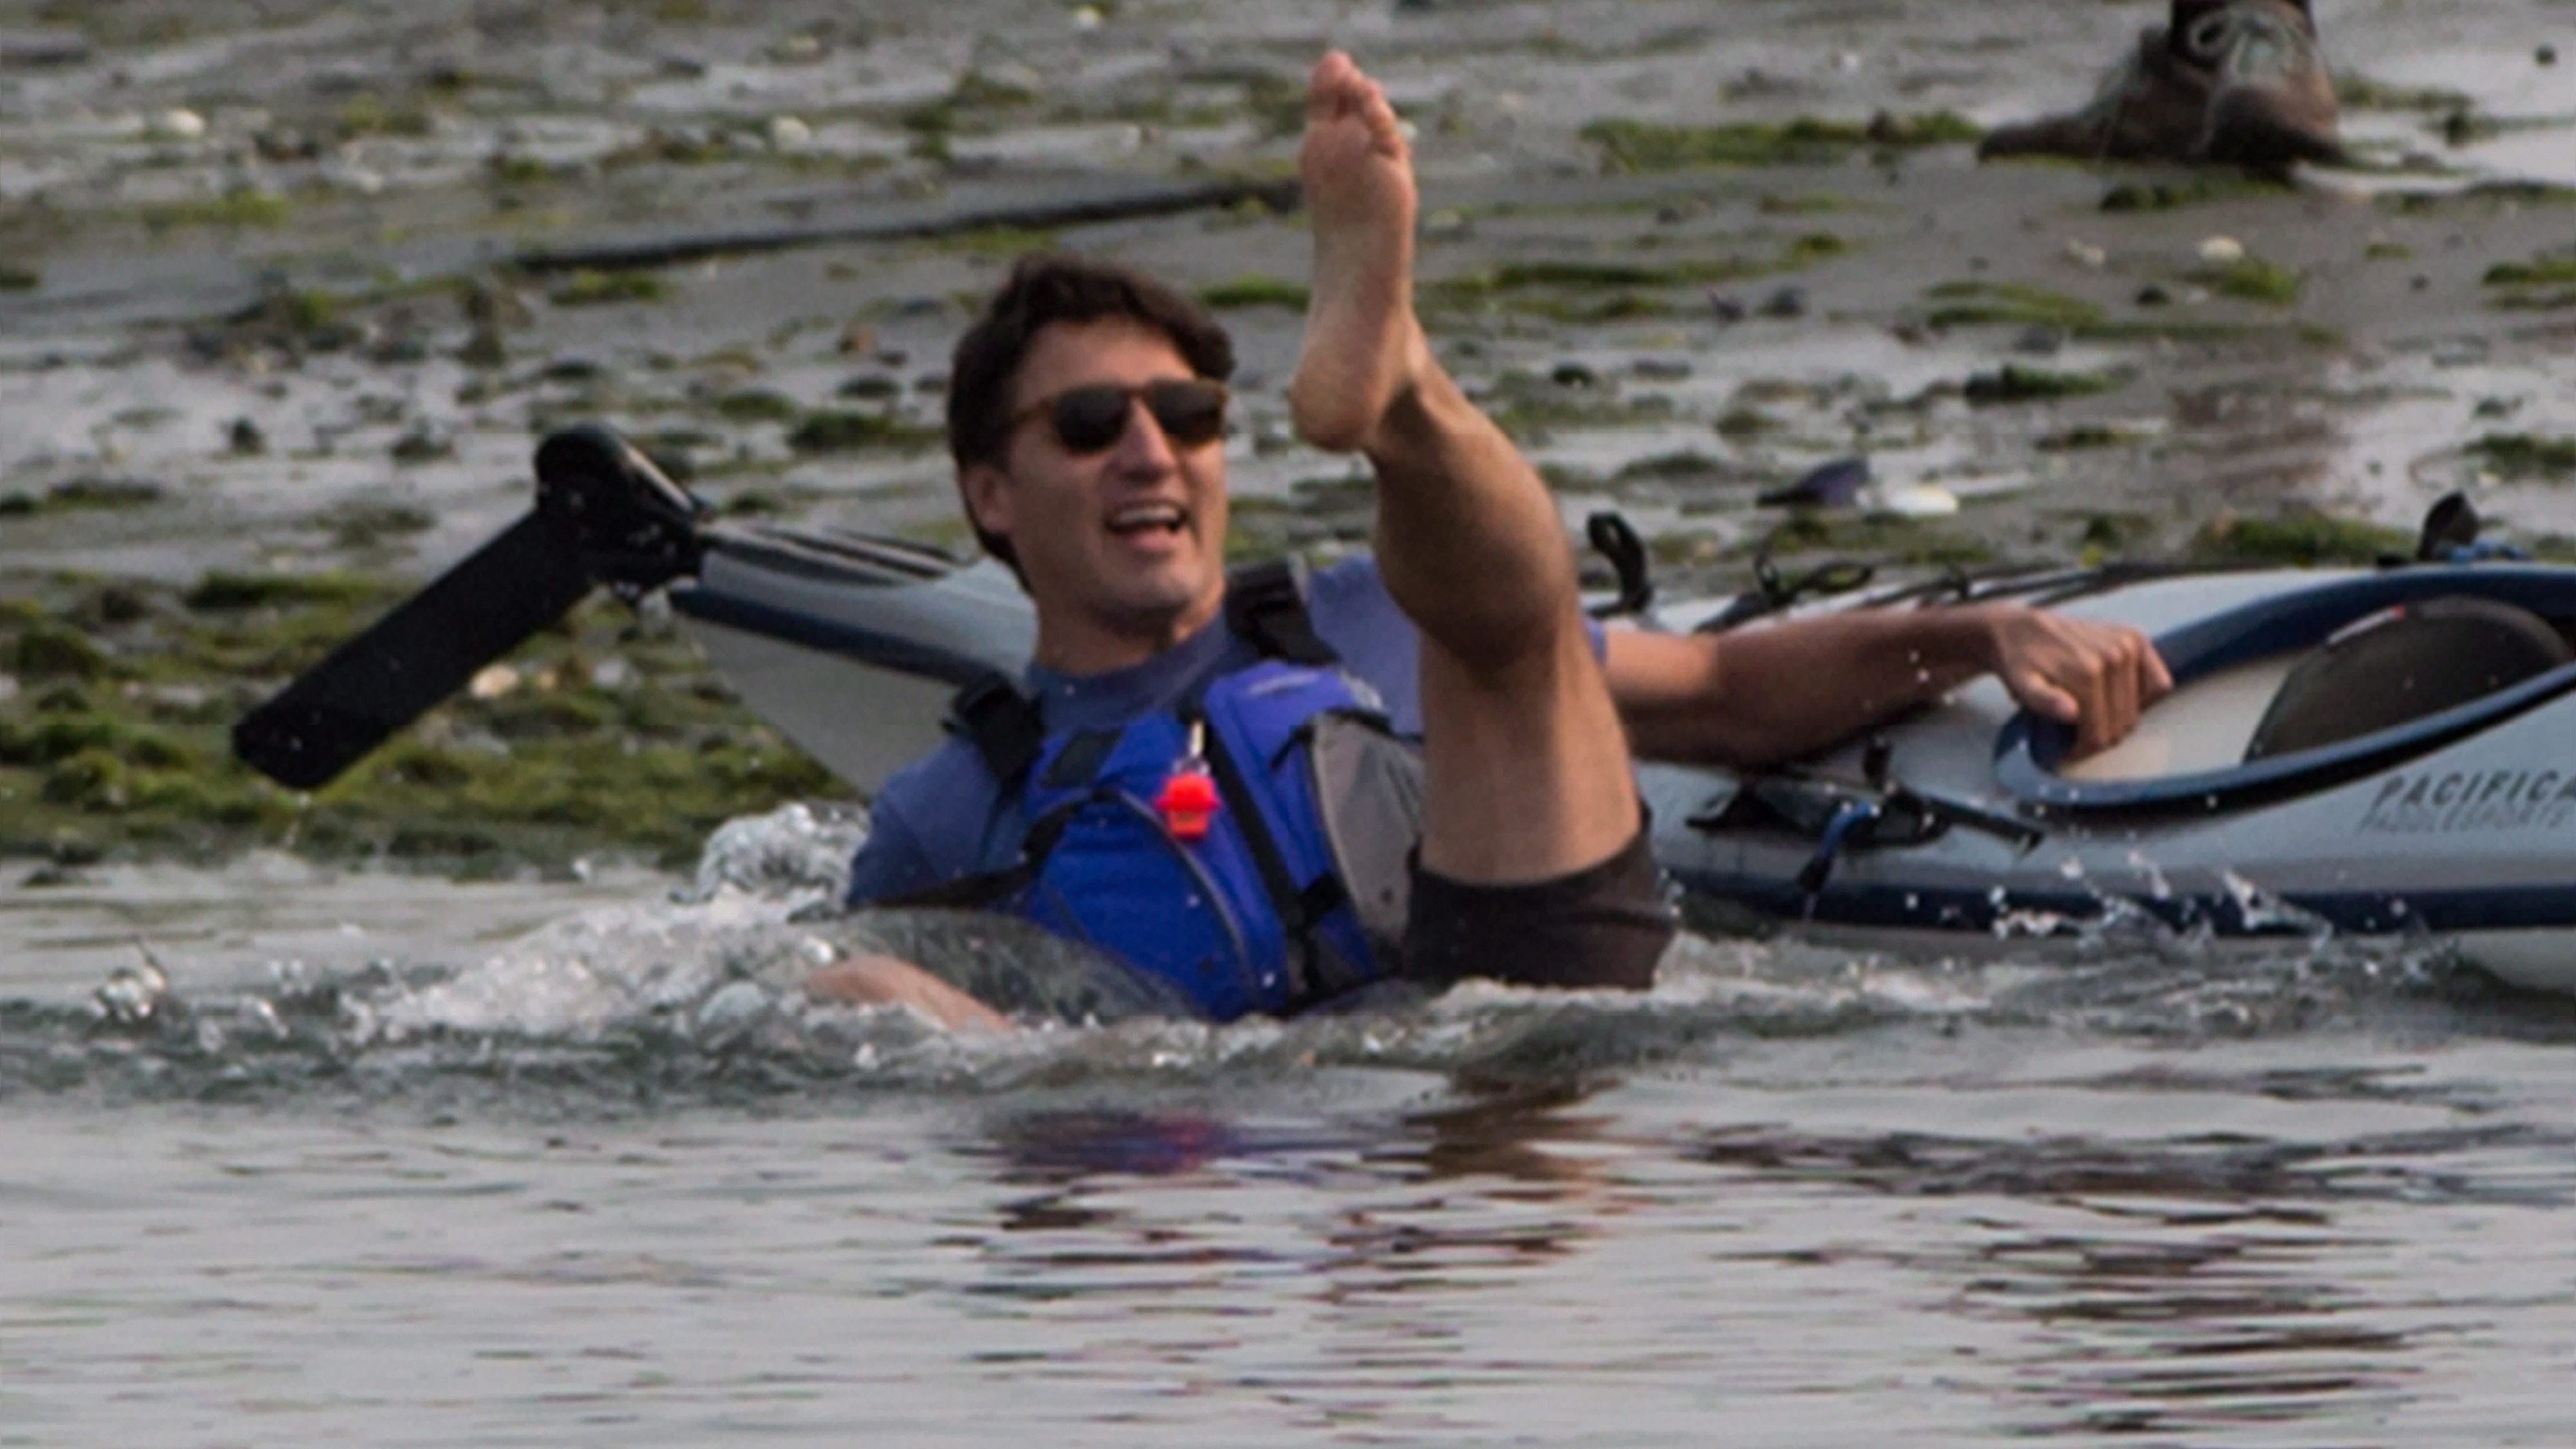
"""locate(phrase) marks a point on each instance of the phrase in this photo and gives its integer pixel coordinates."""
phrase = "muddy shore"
(289, 290)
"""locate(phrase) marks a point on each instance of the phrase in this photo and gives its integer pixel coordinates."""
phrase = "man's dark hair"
(1052, 287)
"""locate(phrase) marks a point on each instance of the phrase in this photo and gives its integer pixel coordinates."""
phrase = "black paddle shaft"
(419, 654)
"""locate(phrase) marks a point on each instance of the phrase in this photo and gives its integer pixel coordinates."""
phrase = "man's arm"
(874, 980)
(1759, 696)
(893, 863)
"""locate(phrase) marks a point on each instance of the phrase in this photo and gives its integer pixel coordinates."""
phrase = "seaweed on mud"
(1529, 405)
(223, 592)
(1807, 203)
(1251, 290)
(2018, 382)
(54, 651)
(361, 524)
(1666, 466)
(1746, 422)
(2536, 301)
(757, 405)
(236, 210)
(514, 170)
(2106, 532)
(968, 106)
(2528, 455)
(1880, 536)
(1981, 304)
(2484, 195)
(1582, 290)
(81, 494)
(2304, 538)
(2527, 286)
(368, 114)
(589, 288)
(14, 278)
(2254, 279)
(839, 431)
(2358, 92)
(2084, 436)
(613, 736)
(1645, 146)
(2196, 190)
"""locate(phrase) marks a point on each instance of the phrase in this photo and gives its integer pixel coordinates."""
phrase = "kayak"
(1962, 827)
(2387, 754)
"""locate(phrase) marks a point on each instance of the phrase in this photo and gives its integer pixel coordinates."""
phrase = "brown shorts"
(1605, 925)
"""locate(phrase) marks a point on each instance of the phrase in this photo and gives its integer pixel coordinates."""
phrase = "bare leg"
(1529, 775)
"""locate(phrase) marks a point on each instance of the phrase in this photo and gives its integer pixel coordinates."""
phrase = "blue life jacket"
(1254, 905)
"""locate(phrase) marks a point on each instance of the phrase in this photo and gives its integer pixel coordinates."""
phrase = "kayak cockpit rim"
(2030, 749)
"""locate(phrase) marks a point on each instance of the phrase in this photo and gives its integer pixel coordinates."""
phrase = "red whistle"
(1188, 803)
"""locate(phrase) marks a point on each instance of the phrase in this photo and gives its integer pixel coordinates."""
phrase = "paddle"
(604, 515)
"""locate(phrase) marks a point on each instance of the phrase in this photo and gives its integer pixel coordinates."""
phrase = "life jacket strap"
(1265, 604)
(1000, 722)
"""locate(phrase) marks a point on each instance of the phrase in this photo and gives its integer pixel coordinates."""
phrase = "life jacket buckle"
(1188, 801)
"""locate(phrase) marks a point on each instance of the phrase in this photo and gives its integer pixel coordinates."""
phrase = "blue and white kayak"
(2384, 754)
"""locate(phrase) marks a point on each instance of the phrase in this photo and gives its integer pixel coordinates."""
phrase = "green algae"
(588, 288)
(1255, 291)
(1808, 203)
(615, 738)
(369, 114)
(221, 591)
(1575, 291)
(2302, 538)
(1645, 146)
(1983, 304)
(2017, 382)
(2362, 93)
(837, 431)
(969, 106)
(1686, 463)
(2537, 301)
(757, 405)
(1744, 422)
(80, 495)
(2528, 286)
(2528, 455)
(1877, 536)
(2197, 190)
(15, 278)
(2084, 437)
(54, 651)
(2482, 196)
(243, 209)
(2255, 280)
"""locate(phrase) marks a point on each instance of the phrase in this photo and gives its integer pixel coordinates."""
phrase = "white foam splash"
(790, 852)
(717, 957)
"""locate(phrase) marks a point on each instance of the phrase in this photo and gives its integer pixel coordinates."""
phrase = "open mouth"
(1149, 520)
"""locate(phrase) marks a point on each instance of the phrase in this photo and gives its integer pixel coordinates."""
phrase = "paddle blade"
(414, 657)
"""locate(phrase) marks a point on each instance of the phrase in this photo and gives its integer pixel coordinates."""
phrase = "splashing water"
(696, 993)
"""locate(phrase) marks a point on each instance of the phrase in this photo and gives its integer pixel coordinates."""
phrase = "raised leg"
(1528, 773)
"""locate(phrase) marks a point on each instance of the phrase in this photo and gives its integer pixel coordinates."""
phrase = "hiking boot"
(2238, 82)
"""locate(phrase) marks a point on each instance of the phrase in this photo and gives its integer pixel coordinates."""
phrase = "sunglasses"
(1092, 419)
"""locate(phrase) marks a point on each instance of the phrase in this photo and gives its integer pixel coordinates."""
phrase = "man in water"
(1086, 418)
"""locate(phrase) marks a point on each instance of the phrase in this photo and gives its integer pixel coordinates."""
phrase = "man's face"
(1123, 548)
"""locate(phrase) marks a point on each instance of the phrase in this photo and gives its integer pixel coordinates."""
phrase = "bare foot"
(1363, 347)
(886, 981)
